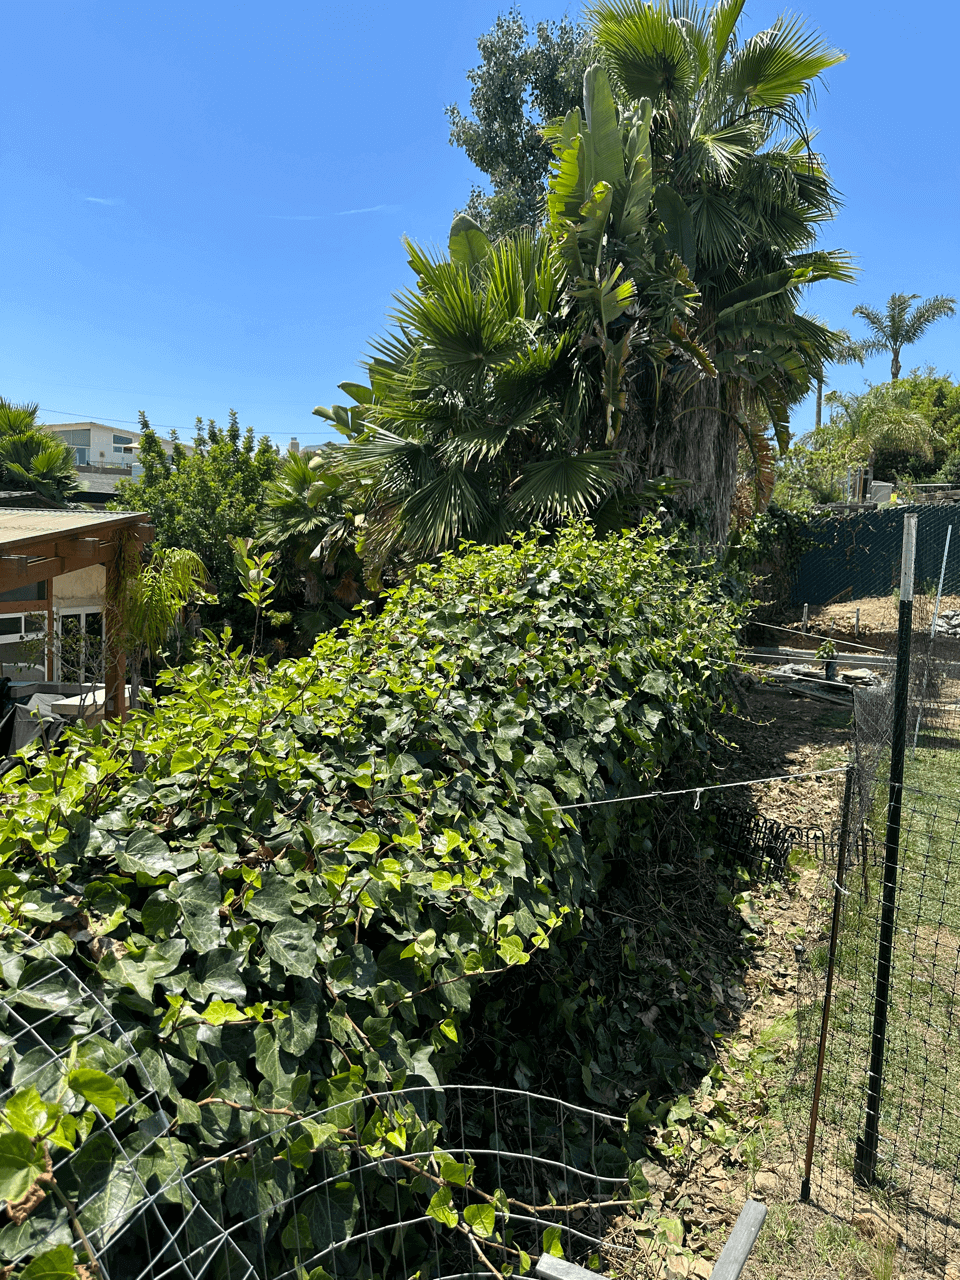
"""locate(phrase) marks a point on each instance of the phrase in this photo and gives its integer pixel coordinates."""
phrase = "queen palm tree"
(900, 325)
(740, 195)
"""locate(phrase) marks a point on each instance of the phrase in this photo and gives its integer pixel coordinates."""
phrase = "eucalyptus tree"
(740, 196)
(902, 325)
(526, 78)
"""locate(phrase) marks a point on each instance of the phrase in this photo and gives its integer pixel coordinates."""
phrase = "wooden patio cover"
(40, 545)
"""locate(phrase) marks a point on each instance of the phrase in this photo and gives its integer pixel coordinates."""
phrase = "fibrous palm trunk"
(692, 439)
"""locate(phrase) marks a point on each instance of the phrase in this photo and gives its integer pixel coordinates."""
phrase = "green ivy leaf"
(99, 1089)
(441, 1207)
(482, 1218)
(292, 943)
(369, 842)
(146, 852)
(55, 1264)
(20, 1165)
(27, 1113)
(551, 1242)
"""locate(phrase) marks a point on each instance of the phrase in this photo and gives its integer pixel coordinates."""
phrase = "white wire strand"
(698, 791)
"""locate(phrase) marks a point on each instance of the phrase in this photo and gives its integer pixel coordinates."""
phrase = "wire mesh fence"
(423, 1181)
(882, 1065)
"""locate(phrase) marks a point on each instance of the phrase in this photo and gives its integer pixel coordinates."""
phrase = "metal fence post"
(728, 1266)
(865, 1161)
(838, 895)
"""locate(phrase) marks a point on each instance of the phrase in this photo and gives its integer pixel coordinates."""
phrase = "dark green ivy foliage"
(309, 888)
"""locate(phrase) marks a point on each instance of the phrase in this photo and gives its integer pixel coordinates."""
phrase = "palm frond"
(778, 64)
(646, 48)
(564, 485)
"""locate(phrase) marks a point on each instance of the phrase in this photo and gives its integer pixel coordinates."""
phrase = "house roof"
(36, 544)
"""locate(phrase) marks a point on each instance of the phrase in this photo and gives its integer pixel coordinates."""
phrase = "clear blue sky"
(205, 201)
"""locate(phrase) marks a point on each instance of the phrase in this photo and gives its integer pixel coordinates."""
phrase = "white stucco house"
(98, 446)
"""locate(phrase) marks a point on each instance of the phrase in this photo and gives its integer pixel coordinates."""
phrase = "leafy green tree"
(814, 468)
(199, 500)
(937, 397)
(901, 325)
(34, 459)
(521, 84)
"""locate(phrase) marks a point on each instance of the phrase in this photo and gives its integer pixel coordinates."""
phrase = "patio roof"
(36, 544)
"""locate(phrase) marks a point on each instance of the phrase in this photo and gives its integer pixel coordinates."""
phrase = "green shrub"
(298, 895)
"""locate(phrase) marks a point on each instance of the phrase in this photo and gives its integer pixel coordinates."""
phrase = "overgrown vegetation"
(198, 501)
(300, 896)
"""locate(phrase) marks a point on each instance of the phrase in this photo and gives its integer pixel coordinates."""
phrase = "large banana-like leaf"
(608, 296)
(756, 290)
(678, 224)
(631, 205)
(469, 246)
(568, 188)
(605, 141)
(357, 391)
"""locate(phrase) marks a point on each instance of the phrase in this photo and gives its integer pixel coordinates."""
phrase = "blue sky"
(205, 201)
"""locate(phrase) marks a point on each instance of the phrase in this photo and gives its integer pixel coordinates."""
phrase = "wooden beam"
(51, 633)
(115, 659)
(16, 564)
(82, 548)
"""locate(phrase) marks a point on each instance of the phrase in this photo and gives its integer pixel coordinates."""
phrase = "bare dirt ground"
(736, 1144)
(878, 616)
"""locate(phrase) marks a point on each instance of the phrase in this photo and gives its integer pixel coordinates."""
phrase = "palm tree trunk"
(819, 417)
(895, 365)
(694, 440)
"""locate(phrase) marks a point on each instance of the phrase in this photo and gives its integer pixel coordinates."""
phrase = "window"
(23, 645)
(122, 439)
(79, 647)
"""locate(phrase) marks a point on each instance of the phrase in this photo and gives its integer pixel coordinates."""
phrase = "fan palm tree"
(32, 458)
(309, 521)
(740, 196)
(478, 414)
(900, 325)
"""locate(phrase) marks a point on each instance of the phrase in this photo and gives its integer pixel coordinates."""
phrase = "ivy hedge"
(290, 888)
